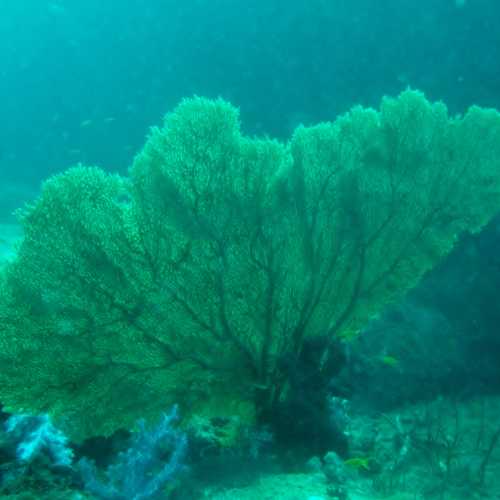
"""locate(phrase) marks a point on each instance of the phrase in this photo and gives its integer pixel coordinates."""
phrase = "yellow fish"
(358, 463)
(389, 360)
(348, 335)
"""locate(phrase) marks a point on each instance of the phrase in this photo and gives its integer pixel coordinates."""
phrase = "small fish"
(389, 360)
(86, 123)
(110, 119)
(348, 335)
(358, 463)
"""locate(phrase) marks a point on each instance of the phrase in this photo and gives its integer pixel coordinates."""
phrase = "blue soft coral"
(34, 436)
(141, 473)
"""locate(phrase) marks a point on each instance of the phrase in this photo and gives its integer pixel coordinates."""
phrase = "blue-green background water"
(81, 81)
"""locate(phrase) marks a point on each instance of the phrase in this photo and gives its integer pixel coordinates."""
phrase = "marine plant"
(36, 435)
(190, 280)
(142, 472)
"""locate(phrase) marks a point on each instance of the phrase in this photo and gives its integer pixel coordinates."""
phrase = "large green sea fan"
(217, 257)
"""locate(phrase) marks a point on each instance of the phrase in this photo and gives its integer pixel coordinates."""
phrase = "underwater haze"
(250, 249)
(82, 81)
